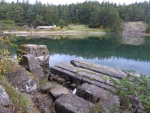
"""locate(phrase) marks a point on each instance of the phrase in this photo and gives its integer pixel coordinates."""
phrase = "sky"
(57, 2)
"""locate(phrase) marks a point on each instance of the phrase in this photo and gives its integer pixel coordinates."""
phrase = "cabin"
(46, 27)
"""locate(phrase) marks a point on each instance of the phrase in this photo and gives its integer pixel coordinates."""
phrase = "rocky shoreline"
(73, 87)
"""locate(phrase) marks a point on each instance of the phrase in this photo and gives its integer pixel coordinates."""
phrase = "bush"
(7, 22)
(148, 29)
(134, 93)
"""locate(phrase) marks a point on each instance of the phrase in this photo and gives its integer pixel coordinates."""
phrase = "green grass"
(80, 27)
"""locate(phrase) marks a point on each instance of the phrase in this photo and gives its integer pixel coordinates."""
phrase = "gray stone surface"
(4, 110)
(46, 110)
(79, 76)
(95, 94)
(47, 86)
(48, 103)
(102, 69)
(60, 80)
(4, 98)
(58, 91)
(22, 79)
(40, 52)
(32, 64)
(72, 104)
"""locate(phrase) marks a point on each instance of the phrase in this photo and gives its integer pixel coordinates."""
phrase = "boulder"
(4, 98)
(25, 81)
(32, 64)
(58, 91)
(72, 104)
(95, 94)
(40, 52)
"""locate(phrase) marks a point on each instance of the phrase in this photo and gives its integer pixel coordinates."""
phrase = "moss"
(43, 81)
(31, 75)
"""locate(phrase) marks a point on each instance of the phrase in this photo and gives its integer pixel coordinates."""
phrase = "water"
(111, 50)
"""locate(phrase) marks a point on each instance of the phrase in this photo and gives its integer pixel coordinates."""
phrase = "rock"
(30, 85)
(95, 94)
(45, 110)
(73, 85)
(32, 64)
(60, 80)
(39, 51)
(58, 91)
(48, 103)
(72, 104)
(22, 79)
(4, 98)
(4, 110)
(47, 86)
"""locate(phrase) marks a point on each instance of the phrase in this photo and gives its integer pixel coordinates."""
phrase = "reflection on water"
(108, 50)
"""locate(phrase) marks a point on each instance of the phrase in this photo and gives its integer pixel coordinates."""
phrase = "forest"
(90, 13)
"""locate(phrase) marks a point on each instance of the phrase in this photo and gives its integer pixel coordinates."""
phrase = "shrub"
(148, 29)
(134, 93)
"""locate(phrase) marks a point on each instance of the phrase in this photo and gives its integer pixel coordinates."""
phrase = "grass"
(80, 27)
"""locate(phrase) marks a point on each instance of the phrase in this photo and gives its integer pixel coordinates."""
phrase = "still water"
(111, 50)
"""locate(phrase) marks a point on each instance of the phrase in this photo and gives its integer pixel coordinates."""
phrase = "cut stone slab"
(22, 79)
(109, 71)
(39, 51)
(4, 98)
(72, 104)
(79, 75)
(58, 91)
(95, 94)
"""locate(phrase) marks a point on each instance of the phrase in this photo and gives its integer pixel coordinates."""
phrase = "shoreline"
(37, 33)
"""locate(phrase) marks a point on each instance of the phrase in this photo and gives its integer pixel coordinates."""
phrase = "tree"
(94, 20)
(61, 23)
(39, 20)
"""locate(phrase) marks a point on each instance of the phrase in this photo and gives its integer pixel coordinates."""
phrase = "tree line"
(91, 13)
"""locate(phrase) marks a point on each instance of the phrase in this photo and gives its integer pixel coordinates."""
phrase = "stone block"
(22, 79)
(72, 104)
(32, 64)
(58, 91)
(95, 94)
(40, 52)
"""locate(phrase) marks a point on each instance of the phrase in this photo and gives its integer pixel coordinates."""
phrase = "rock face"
(4, 98)
(95, 94)
(22, 79)
(34, 58)
(72, 104)
(4, 101)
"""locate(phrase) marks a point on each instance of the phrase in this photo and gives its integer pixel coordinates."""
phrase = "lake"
(111, 50)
